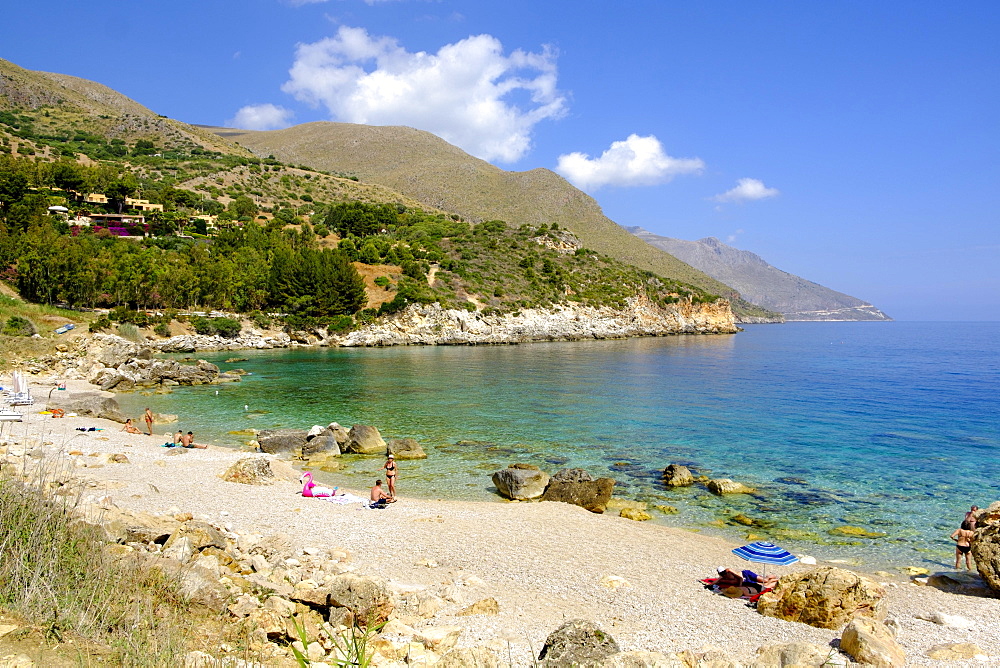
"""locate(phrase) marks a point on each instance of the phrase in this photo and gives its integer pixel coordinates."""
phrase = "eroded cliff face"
(433, 325)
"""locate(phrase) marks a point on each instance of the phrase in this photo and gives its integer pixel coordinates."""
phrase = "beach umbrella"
(765, 553)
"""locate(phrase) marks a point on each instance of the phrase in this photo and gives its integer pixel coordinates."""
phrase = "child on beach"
(963, 537)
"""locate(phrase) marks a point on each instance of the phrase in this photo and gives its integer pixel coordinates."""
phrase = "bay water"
(890, 427)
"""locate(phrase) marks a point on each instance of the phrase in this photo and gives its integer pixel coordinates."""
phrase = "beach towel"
(342, 499)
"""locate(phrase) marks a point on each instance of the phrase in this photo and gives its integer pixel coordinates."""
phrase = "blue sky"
(856, 144)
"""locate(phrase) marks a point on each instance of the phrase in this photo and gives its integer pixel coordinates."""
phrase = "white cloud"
(463, 93)
(261, 117)
(637, 161)
(747, 190)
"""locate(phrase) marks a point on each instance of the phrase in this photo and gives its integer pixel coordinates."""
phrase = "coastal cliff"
(433, 325)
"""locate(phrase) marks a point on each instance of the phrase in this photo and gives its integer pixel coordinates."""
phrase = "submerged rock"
(676, 475)
(721, 486)
(406, 448)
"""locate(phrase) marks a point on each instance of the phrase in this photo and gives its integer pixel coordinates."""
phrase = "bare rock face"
(572, 475)
(676, 475)
(521, 481)
(577, 642)
(721, 486)
(986, 546)
(278, 441)
(199, 534)
(869, 642)
(590, 494)
(824, 597)
(406, 448)
(364, 439)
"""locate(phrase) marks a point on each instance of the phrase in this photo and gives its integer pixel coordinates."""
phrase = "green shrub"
(18, 326)
(261, 320)
(100, 324)
(162, 329)
(383, 282)
(227, 327)
(202, 325)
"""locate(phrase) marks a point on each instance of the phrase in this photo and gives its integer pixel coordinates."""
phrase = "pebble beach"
(545, 563)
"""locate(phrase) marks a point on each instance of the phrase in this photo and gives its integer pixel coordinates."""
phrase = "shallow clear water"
(892, 427)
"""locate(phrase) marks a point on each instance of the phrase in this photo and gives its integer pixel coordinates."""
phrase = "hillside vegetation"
(438, 174)
(255, 235)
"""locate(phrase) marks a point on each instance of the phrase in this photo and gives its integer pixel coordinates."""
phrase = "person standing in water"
(149, 420)
(390, 475)
(963, 544)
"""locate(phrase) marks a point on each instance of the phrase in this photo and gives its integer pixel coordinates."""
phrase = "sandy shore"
(544, 562)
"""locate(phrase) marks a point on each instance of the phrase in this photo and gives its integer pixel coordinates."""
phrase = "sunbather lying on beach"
(746, 583)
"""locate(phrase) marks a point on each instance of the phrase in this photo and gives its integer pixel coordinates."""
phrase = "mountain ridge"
(797, 298)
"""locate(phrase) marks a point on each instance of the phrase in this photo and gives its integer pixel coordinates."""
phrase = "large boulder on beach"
(259, 471)
(793, 654)
(364, 439)
(89, 404)
(406, 448)
(324, 441)
(824, 597)
(521, 481)
(578, 642)
(722, 486)
(986, 546)
(870, 642)
(281, 441)
(590, 494)
(676, 475)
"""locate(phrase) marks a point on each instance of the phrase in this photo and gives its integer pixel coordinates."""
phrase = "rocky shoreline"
(432, 325)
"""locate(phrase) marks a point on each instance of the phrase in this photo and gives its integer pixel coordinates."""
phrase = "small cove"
(891, 427)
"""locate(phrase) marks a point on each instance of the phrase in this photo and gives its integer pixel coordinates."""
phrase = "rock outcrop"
(578, 642)
(364, 439)
(986, 546)
(95, 405)
(434, 325)
(676, 475)
(824, 597)
(521, 481)
(406, 448)
(869, 642)
(722, 486)
(281, 441)
(590, 494)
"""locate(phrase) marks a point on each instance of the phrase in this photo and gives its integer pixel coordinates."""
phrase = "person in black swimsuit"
(390, 475)
(963, 544)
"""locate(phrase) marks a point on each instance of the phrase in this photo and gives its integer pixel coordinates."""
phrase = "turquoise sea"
(892, 427)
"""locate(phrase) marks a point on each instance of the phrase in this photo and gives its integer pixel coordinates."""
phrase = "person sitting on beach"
(130, 428)
(178, 437)
(379, 497)
(972, 517)
(963, 545)
(187, 440)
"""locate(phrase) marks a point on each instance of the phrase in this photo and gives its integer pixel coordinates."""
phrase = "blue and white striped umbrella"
(765, 553)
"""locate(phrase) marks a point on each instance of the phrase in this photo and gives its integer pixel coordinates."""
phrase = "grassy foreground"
(79, 602)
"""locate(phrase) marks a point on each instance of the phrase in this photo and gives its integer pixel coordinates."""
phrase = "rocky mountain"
(759, 282)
